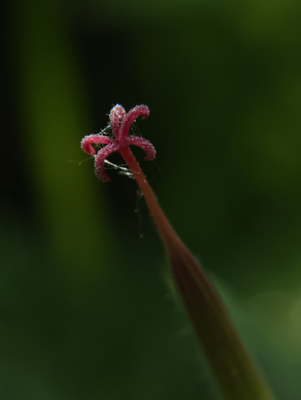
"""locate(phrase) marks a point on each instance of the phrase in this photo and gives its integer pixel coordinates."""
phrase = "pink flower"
(120, 122)
(230, 362)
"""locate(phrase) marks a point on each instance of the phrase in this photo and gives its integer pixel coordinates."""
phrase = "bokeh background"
(87, 305)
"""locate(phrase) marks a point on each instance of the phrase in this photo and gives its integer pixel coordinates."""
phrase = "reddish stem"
(226, 353)
(165, 229)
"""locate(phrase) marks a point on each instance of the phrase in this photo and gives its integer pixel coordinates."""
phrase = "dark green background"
(87, 305)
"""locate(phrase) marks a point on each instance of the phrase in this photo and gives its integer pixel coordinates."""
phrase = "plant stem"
(165, 229)
(227, 356)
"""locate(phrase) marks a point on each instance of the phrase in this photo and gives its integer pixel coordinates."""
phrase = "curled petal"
(130, 118)
(117, 115)
(100, 160)
(87, 141)
(144, 144)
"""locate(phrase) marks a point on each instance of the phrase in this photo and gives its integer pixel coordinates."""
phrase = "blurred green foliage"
(87, 310)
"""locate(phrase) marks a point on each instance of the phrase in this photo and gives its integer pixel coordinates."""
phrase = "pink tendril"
(120, 122)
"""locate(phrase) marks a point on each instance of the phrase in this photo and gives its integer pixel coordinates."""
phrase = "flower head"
(120, 122)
